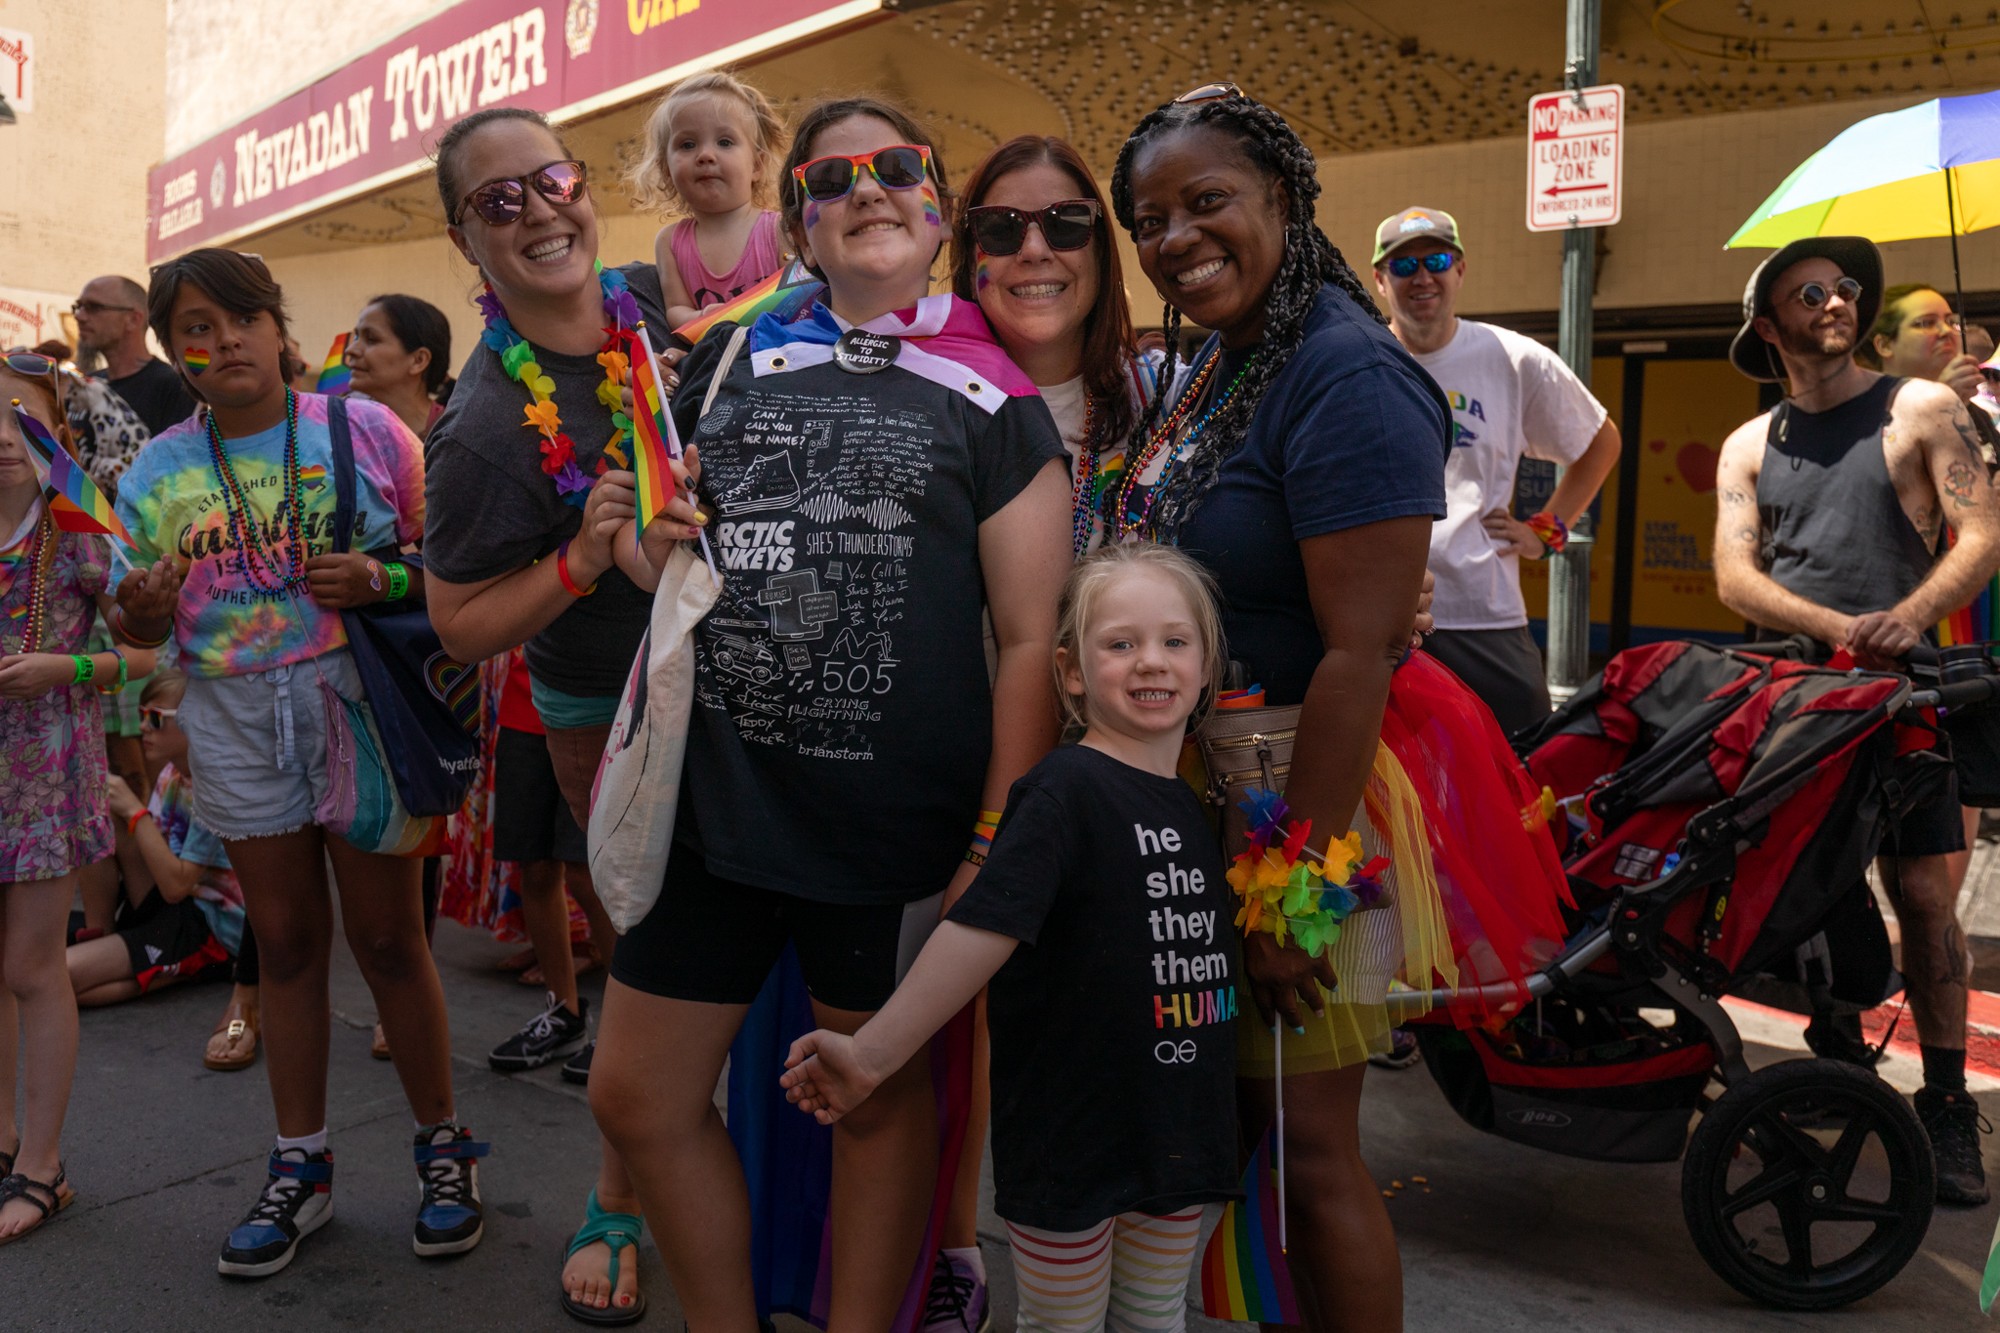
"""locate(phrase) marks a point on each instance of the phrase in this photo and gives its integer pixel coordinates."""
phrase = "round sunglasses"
(1815, 294)
(503, 201)
(1405, 266)
(898, 167)
(1067, 224)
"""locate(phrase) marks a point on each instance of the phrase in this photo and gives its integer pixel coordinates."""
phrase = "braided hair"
(1310, 262)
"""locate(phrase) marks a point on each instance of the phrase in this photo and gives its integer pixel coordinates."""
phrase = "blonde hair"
(652, 185)
(1088, 579)
(162, 682)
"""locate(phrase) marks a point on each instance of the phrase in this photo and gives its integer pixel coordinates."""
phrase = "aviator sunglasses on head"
(1067, 224)
(1405, 266)
(898, 167)
(501, 202)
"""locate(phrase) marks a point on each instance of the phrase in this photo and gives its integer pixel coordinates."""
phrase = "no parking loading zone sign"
(1576, 158)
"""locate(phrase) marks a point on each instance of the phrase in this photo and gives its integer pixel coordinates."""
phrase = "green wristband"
(399, 582)
(124, 674)
(85, 669)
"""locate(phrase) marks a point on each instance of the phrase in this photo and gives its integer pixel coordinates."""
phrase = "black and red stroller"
(1725, 807)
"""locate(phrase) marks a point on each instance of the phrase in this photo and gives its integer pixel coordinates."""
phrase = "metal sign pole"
(1569, 572)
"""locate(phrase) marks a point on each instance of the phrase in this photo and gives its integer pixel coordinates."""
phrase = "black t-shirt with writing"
(156, 392)
(489, 508)
(842, 718)
(1114, 1049)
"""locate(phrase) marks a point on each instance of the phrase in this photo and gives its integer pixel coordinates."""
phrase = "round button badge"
(859, 352)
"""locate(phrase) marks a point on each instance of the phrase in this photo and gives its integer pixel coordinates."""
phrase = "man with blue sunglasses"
(1510, 398)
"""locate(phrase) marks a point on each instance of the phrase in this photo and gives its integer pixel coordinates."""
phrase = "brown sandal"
(238, 1021)
(17, 1186)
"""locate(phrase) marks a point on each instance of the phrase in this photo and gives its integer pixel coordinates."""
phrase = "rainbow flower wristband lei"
(1282, 891)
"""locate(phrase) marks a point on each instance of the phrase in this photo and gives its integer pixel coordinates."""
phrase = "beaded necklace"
(1084, 500)
(39, 558)
(263, 573)
(517, 358)
(1167, 437)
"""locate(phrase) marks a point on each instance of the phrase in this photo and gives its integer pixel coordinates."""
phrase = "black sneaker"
(449, 1215)
(1839, 1037)
(576, 1069)
(1953, 1121)
(546, 1038)
(297, 1201)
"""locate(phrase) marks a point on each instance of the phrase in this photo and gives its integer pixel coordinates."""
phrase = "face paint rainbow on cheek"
(812, 215)
(195, 359)
(931, 215)
(980, 277)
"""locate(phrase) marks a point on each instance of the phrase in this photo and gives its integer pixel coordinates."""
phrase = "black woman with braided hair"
(1300, 457)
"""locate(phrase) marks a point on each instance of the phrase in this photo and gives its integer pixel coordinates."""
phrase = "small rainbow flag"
(786, 292)
(1243, 1272)
(654, 439)
(334, 377)
(75, 503)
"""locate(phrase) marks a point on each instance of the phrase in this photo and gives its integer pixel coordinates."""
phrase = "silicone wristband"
(399, 582)
(86, 669)
(132, 824)
(976, 858)
(124, 674)
(135, 640)
(562, 572)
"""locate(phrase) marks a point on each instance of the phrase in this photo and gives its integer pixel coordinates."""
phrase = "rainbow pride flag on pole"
(1243, 1272)
(75, 503)
(335, 377)
(786, 292)
(654, 439)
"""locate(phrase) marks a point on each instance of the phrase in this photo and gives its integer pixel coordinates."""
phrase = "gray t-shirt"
(490, 509)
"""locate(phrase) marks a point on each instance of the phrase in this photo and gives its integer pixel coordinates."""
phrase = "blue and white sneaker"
(449, 1216)
(297, 1201)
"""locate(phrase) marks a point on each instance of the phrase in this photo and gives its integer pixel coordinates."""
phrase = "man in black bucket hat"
(1831, 513)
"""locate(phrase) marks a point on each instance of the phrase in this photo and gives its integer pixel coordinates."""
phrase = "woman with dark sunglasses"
(519, 517)
(876, 472)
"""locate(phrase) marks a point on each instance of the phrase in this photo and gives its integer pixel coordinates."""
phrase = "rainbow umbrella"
(1927, 170)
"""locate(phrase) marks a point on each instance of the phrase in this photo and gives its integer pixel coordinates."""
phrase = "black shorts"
(531, 820)
(714, 941)
(169, 939)
(1502, 666)
(1934, 828)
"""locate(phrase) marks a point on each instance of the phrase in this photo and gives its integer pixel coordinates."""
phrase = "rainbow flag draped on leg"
(1243, 1272)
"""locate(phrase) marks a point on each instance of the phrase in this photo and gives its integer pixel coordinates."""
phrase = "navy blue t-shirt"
(1353, 431)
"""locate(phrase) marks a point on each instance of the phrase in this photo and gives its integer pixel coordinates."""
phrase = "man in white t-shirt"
(1510, 397)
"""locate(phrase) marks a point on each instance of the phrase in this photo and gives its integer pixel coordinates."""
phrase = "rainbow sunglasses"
(900, 166)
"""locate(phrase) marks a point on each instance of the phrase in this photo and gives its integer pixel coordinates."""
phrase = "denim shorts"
(257, 745)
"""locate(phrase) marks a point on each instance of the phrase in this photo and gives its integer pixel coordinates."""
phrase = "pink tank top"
(761, 256)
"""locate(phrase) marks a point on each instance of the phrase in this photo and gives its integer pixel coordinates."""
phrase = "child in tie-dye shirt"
(244, 572)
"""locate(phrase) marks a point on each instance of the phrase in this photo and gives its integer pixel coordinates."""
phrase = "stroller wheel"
(1808, 1184)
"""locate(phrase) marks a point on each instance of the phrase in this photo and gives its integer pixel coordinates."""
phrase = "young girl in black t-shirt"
(1112, 1035)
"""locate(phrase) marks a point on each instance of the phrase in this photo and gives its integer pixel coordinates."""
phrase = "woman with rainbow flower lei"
(1301, 459)
(231, 513)
(528, 484)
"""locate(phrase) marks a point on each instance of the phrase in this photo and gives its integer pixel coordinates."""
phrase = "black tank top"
(1834, 531)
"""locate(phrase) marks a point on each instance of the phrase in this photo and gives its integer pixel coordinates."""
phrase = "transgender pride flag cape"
(945, 340)
(787, 1155)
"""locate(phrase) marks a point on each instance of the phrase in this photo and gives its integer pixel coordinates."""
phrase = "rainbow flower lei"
(1284, 892)
(517, 358)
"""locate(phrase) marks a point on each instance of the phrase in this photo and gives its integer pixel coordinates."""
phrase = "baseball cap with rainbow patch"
(1415, 224)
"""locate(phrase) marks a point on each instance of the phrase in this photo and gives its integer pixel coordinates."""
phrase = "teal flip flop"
(621, 1232)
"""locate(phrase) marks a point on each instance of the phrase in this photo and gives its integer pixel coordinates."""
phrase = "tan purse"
(1252, 747)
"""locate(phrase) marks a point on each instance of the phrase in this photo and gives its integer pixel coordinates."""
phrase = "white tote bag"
(638, 784)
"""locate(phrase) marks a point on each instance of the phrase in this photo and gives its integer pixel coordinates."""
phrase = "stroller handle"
(1957, 694)
(1589, 947)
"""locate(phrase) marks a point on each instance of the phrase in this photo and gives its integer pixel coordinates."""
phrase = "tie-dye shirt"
(171, 500)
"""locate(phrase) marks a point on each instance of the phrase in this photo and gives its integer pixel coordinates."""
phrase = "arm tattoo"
(1733, 496)
(1961, 484)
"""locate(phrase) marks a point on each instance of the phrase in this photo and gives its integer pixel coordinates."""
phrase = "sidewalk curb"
(1982, 1028)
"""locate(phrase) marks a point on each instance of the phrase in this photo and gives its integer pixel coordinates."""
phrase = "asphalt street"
(166, 1155)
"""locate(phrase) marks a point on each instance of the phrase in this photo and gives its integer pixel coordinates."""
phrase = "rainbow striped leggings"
(1127, 1274)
